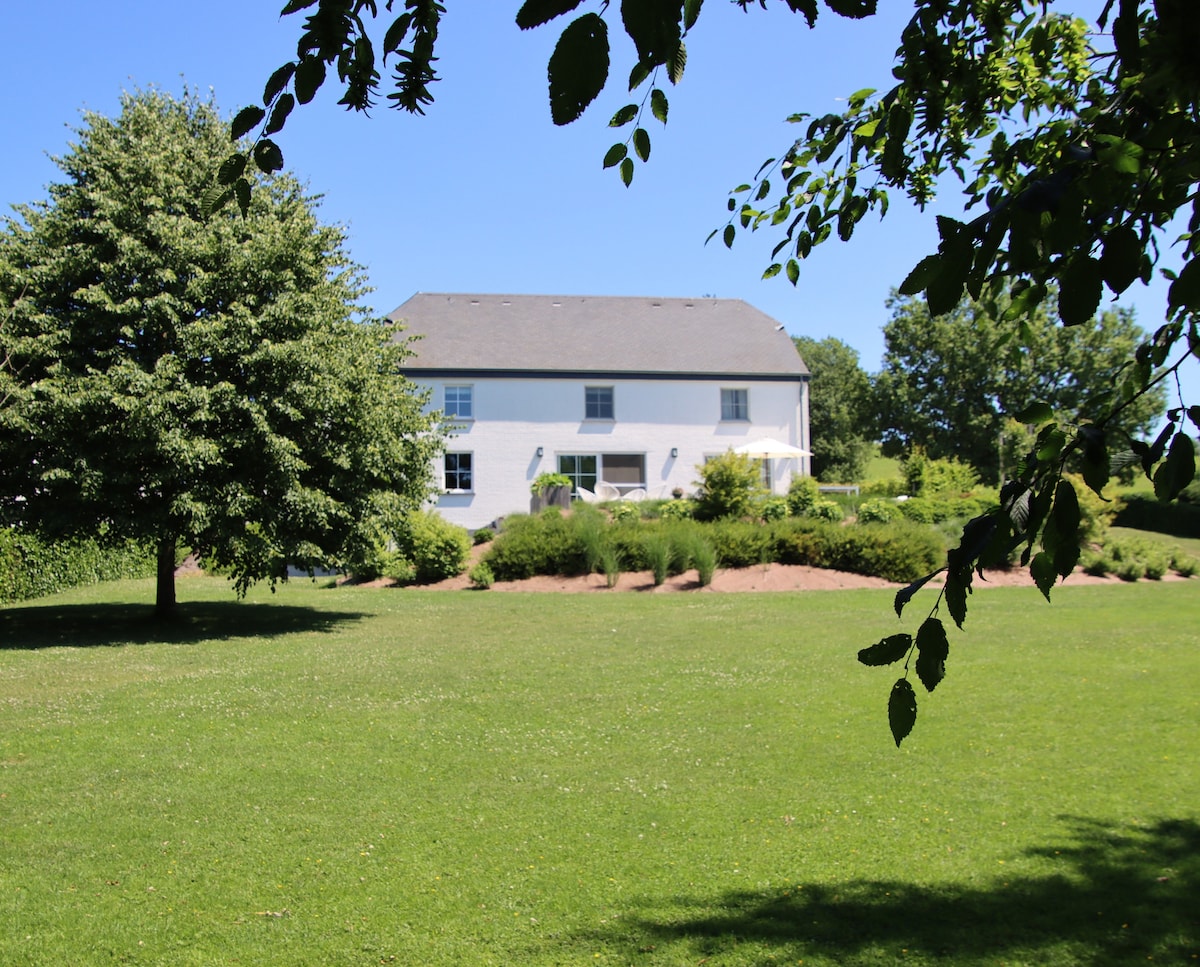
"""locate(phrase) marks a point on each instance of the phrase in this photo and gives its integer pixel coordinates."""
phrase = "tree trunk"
(164, 603)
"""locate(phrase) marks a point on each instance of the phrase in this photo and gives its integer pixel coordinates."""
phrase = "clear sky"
(484, 194)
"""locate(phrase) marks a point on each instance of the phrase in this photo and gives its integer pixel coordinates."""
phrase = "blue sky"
(484, 194)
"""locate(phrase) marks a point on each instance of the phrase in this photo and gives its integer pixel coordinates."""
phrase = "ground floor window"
(581, 468)
(625, 471)
(457, 473)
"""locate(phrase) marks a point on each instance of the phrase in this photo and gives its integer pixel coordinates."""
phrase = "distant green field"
(354, 776)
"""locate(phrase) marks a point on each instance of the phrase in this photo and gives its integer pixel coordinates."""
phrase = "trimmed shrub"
(741, 543)
(828, 510)
(678, 510)
(545, 544)
(891, 487)
(481, 576)
(31, 567)
(1184, 564)
(483, 536)
(623, 512)
(877, 511)
(803, 492)
(436, 548)
(773, 508)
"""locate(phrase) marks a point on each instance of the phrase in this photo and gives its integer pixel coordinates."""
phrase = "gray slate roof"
(596, 334)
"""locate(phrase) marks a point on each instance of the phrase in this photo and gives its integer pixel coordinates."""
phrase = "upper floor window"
(459, 402)
(735, 404)
(598, 403)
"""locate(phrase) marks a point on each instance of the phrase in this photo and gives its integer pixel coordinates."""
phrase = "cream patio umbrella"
(768, 448)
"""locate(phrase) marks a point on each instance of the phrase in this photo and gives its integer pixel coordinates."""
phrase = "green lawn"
(353, 776)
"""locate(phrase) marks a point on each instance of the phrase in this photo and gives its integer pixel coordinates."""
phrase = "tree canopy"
(195, 382)
(1076, 142)
(840, 409)
(949, 383)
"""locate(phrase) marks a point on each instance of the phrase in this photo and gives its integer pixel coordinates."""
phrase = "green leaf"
(1121, 258)
(215, 198)
(1185, 290)
(623, 116)
(1095, 467)
(283, 107)
(772, 270)
(293, 5)
(730, 232)
(534, 13)
(1044, 574)
(396, 33)
(919, 278)
(658, 105)
(1079, 291)
(641, 143)
(1064, 524)
(231, 169)
(241, 190)
(887, 651)
(904, 595)
(246, 120)
(578, 67)
(691, 10)
(615, 155)
(638, 75)
(932, 650)
(1178, 470)
(310, 75)
(958, 586)
(267, 156)
(277, 82)
(627, 171)
(902, 710)
(793, 271)
(1035, 414)
(1120, 155)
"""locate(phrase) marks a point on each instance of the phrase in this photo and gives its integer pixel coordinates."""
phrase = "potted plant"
(551, 489)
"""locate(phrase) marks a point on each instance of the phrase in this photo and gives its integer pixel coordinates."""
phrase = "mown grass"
(353, 776)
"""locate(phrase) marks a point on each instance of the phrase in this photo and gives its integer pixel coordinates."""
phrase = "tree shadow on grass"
(92, 625)
(1122, 895)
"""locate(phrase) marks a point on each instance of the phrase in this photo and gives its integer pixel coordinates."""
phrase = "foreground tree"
(948, 381)
(839, 409)
(195, 382)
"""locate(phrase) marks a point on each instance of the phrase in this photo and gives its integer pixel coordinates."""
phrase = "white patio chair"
(635, 495)
(606, 491)
(587, 496)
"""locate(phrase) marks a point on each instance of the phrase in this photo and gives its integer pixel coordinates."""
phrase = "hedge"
(33, 568)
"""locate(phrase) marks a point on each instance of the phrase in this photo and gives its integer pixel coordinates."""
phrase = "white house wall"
(515, 417)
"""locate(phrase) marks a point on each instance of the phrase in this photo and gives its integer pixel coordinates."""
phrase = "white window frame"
(735, 400)
(590, 402)
(463, 392)
(458, 470)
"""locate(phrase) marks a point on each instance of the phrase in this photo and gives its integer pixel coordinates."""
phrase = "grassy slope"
(351, 776)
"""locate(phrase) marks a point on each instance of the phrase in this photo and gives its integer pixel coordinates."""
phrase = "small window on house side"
(459, 402)
(735, 404)
(581, 468)
(457, 473)
(598, 403)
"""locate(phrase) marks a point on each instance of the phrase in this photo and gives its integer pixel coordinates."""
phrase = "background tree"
(840, 410)
(948, 381)
(198, 382)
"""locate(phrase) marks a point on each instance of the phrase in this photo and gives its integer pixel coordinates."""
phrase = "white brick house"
(635, 392)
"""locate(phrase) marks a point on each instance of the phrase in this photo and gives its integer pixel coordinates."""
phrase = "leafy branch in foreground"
(1080, 146)
(337, 36)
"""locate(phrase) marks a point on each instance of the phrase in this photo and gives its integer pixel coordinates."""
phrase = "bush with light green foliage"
(436, 548)
(878, 511)
(928, 477)
(728, 484)
(678, 509)
(803, 492)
